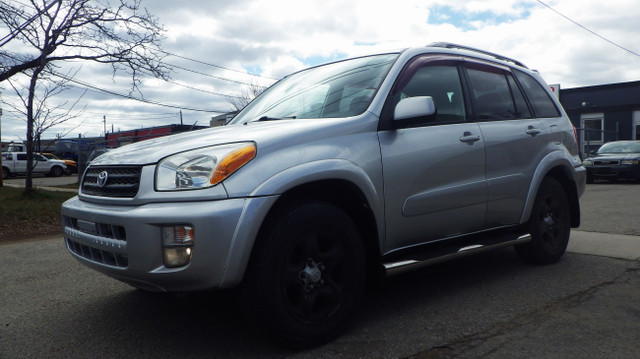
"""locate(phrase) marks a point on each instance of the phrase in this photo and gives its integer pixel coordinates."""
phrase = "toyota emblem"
(102, 178)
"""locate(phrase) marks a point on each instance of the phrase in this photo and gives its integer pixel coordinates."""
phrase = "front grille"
(98, 255)
(108, 235)
(606, 162)
(112, 181)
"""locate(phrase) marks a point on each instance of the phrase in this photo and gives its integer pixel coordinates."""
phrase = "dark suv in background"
(613, 161)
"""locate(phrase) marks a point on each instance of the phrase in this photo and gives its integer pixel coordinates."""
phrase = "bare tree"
(47, 32)
(247, 95)
(46, 115)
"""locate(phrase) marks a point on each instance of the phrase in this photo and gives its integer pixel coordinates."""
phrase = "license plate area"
(87, 227)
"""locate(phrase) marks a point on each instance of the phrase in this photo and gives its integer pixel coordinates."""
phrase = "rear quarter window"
(539, 99)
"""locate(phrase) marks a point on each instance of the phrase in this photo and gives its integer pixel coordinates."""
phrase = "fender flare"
(554, 160)
(330, 169)
(263, 198)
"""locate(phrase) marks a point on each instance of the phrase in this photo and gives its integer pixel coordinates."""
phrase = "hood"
(263, 133)
(617, 156)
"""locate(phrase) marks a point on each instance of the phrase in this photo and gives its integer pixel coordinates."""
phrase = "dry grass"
(28, 216)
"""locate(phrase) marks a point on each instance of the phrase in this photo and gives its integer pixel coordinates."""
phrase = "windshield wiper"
(267, 118)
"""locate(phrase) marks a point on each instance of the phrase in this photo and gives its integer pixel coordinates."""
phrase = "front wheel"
(5, 173)
(549, 225)
(307, 275)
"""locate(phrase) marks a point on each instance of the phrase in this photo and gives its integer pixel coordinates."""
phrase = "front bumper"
(125, 242)
(614, 172)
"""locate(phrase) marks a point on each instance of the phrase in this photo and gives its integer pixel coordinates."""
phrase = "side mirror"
(413, 107)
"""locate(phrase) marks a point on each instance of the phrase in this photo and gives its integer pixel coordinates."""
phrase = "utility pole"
(180, 117)
(104, 123)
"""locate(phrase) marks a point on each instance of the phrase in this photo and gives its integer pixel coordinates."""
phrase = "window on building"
(592, 132)
(636, 125)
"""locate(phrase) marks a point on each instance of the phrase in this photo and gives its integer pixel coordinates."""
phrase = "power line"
(216, 66)
(587, 29)
(211, 76)
(202, 90)
(13, 34)
(151, 102)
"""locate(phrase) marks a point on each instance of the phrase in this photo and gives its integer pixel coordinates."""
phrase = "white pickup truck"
(14, 163)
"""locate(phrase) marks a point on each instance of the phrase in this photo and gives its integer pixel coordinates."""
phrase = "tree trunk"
(28, 181)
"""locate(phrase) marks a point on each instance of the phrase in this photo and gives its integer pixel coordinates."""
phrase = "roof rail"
(448, 45)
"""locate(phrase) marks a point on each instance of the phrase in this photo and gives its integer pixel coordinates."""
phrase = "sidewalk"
(605, 245)
(45, 183)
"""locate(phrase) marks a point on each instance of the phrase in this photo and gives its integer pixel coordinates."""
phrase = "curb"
(605, 245)
(47, 188)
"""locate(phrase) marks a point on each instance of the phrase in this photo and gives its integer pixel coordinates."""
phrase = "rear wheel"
(307, 275)
(549, 225)
(56, 171)
(5, 173)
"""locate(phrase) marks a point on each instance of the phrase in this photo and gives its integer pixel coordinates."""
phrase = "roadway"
(491, 305)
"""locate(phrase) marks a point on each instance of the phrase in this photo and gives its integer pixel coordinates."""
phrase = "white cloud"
(280, 36)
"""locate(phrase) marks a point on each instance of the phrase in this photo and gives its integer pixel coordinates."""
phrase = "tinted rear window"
(539, 99)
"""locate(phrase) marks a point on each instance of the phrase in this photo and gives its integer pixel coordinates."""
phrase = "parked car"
(72, 166)
(333, 176)
(14, 163)
(613, 161)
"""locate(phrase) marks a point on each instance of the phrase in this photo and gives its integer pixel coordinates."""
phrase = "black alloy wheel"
(306, 276)
(549, 225)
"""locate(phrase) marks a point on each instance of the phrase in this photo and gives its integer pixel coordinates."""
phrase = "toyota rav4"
(334, 176)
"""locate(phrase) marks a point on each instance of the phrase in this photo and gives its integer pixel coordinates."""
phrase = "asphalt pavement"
(487, 306)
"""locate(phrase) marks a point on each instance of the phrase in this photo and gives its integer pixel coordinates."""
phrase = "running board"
(411, 264)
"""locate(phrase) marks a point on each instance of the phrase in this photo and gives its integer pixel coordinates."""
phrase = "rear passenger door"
(433, 168)
(21, 162)
(514, 140)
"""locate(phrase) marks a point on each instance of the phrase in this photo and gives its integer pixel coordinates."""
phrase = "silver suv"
(333, 176)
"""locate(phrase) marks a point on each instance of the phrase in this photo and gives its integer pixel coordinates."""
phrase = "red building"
(117, 139)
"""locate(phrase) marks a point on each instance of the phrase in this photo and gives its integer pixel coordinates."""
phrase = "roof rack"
(448, 45)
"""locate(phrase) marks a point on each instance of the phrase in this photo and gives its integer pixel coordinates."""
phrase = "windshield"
(338, 89)
(620, 147)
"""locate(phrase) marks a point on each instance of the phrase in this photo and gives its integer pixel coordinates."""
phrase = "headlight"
(202, 168)
(629, 162)
(587, 162)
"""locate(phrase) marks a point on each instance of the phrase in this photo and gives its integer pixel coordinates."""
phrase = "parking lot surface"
(490, 306)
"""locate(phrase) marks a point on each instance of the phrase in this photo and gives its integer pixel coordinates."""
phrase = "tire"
(549, 225)
(56, 171)
(307, 275)
(5, 173)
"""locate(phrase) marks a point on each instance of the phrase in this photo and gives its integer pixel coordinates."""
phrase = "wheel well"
(348, 197)
(562, 175)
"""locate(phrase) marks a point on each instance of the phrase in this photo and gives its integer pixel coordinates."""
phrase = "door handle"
(467, 137)
(532, 131)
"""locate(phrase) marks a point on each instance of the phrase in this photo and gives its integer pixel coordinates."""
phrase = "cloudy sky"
(220, 47)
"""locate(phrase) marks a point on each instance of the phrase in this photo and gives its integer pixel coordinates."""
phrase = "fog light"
(177, 245)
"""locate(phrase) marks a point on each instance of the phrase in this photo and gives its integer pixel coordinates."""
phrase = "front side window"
(339, 89)
(442, 83)
(542, 104)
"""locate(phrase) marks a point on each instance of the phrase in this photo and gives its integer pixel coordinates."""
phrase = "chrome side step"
(411, 264)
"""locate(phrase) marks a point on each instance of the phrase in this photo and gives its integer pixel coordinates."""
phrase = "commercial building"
(603, 113)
